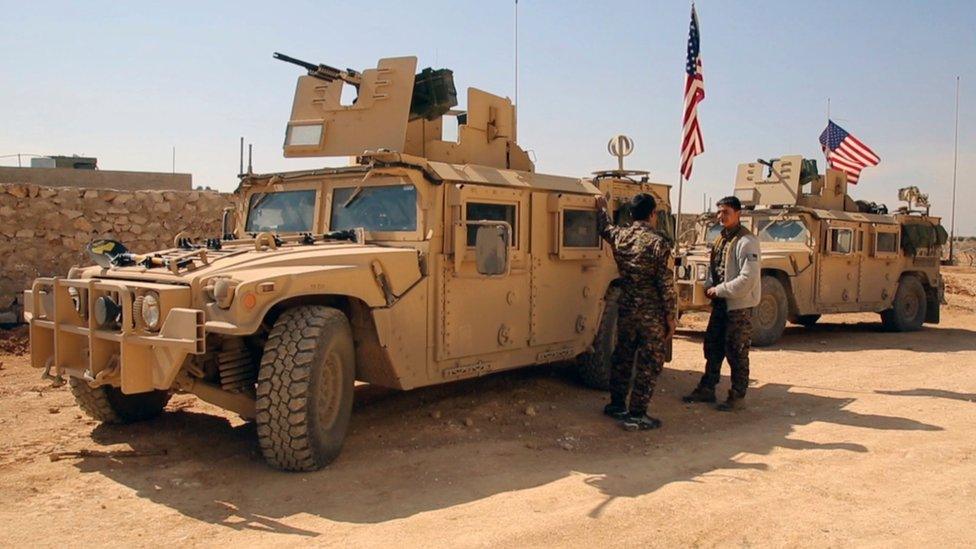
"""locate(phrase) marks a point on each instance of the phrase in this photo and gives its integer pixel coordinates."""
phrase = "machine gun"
(324, 72)
(808, 169)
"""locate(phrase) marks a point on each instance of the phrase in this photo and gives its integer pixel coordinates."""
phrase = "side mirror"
(491, 248)
(226, 228)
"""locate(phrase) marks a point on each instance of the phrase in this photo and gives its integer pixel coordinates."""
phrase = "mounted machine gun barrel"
(322, 71)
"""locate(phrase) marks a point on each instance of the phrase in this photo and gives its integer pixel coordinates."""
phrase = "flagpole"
(692, 35)
(677, 223)
(677, 235)
(955, 164)
(825, 149)
(516, 53)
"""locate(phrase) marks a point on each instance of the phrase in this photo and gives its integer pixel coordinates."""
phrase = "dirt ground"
(852, 436)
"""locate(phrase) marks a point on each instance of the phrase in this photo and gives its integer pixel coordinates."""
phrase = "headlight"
(107, 311)
(701, 271)
(150, 311)
(79, 300)
(75, 298)
(223, 292)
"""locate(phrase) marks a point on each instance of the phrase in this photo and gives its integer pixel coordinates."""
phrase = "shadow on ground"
(403, 457)
(861, 336)
(932, 393)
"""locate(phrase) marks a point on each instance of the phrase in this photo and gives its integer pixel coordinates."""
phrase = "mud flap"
(932, 305)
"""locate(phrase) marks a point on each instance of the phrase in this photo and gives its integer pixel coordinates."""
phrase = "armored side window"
(303, 135)
(841, 241)
(886, 243)
(483, 211)
(580, 229)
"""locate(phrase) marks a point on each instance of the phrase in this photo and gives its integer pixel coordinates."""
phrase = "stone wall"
(44, 230)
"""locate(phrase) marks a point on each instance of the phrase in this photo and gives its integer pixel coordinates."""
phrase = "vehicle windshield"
(713, 231)
(665, 224)
(284, 212)
(784, 230)
(385, 208)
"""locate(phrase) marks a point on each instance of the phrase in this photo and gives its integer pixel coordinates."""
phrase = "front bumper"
(65, 339)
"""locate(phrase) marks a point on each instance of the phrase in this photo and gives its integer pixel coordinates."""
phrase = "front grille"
(66, 337)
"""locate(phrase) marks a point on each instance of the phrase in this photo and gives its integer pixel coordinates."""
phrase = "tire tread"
(93, 401)
(108, 404)
(284, 382)
(771, 285)
(593, 367)
(891, 320)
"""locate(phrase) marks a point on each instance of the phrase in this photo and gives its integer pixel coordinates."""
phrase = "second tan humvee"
(422, 262)
(824, 253)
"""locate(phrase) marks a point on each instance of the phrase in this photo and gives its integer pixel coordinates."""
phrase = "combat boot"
(640, 422)
(731, 404)
(700, 394)
(616, 410)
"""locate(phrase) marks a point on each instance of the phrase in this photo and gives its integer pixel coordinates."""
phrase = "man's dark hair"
(730, 201)
(641, 206)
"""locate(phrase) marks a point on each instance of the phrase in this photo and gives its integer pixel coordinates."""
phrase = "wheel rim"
(767, 311)
(331, 392)
(910, 306)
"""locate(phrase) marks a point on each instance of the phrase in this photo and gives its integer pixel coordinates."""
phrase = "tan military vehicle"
(423, 261)
(824, 253)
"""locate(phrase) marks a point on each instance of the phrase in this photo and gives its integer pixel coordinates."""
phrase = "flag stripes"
(846, 153)
(691, 138)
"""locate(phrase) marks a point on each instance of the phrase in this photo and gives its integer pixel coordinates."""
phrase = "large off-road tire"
(305, 388)
(769, 317)
(593, 367)
(110, 405)
(807, 321)
(908, 309)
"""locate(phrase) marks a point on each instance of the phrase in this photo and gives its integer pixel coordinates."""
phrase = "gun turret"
(400, 110)
(915, 199)
(322, 71)
(780, 182)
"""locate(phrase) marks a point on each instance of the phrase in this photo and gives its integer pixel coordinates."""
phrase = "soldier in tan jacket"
(733, 284)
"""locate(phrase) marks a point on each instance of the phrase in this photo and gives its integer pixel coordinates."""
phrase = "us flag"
(845, 152)
(691, 138)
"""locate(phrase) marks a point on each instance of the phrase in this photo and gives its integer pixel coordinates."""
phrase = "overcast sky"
(126, 82)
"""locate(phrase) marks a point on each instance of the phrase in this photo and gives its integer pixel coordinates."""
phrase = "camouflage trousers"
(639, 354)
(728, 337)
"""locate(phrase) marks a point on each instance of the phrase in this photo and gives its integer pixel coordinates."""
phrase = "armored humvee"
(823, 252)
(421, 262)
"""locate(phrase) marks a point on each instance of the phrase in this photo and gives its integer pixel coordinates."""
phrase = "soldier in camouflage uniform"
(733, 284)
(646, 319)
